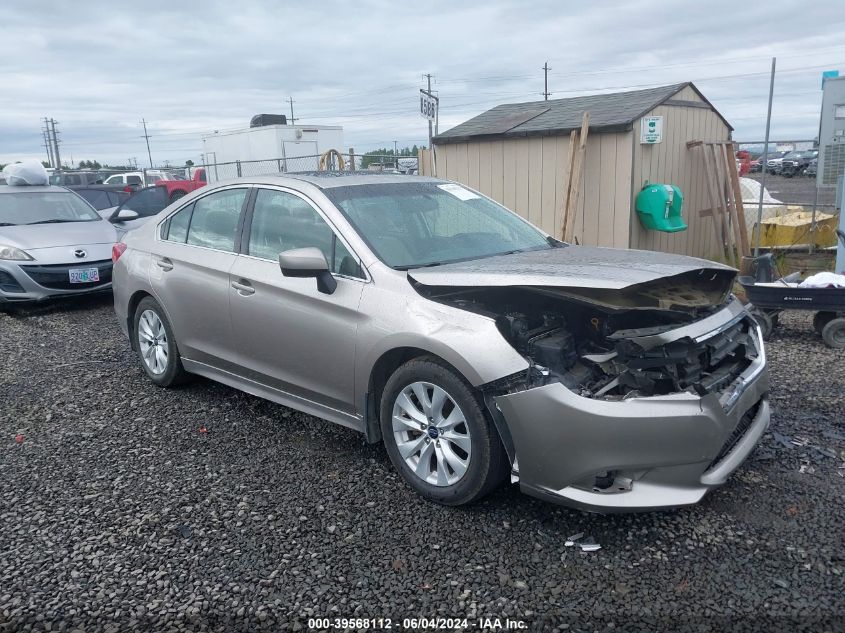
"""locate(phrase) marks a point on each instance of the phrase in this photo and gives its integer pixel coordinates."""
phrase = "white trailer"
(278, 147)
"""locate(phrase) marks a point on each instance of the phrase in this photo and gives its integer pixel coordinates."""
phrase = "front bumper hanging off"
(639, 453)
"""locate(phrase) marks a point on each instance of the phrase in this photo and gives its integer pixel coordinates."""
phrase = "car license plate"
(84, 275)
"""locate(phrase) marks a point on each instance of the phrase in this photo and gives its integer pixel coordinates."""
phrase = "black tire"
(488, 463)
(765, 322)
(174, 373)
(834, 333)
(176, 195)
(821, 319)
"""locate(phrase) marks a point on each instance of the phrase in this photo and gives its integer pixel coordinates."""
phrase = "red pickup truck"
(178, 188)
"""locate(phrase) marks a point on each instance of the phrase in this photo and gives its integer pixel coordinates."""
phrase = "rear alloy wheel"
(156, 345)
(834, 333)
(438, 436)
(176, 195)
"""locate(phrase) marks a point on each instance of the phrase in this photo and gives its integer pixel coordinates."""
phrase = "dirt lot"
(126, 506)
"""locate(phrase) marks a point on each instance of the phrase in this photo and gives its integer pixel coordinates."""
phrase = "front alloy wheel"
(431, 433)
(438, 434)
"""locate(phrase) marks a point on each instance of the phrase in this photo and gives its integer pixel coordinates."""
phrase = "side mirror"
(308, 262)
(123, 215)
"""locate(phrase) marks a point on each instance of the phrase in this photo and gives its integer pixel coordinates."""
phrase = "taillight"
(117, 250)
(128, 188)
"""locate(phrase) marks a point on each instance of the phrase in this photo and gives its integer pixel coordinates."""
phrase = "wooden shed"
(517, 154)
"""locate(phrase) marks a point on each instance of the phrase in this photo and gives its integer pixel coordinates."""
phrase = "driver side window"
(282, 221)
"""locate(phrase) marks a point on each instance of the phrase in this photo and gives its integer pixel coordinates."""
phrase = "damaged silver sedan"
(472, 344)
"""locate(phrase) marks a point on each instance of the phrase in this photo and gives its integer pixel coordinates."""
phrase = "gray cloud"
(99, 67)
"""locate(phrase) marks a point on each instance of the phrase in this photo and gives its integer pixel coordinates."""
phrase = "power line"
(630, 69)
(365, 112)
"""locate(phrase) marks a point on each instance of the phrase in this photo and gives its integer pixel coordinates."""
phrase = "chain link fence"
(798, 207)
(303, 164)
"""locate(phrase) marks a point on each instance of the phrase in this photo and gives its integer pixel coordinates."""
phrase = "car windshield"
(44, 207)
(409, 225)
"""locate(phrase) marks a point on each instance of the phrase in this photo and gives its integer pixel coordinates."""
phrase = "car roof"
(32, 189)
(331, 179)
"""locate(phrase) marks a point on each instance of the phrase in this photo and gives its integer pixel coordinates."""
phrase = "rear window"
(176, 228)
(214, 222)
(97, 198)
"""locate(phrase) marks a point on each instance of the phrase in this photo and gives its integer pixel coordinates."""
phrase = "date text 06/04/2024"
(422, 623)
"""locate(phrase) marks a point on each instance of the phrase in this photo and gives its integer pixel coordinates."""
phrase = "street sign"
(651, 130)
(428, 105)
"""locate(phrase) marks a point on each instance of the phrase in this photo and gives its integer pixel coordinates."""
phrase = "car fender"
(398, 318)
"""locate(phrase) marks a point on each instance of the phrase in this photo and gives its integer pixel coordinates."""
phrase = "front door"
(289, 335)
(190, 273)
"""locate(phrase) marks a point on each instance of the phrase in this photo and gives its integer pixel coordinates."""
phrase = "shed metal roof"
(611, 112)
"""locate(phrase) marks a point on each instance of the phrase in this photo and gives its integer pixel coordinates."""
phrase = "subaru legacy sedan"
(52, 243)
(475, 346)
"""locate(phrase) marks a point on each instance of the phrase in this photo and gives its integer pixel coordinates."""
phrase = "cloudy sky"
(189, 68)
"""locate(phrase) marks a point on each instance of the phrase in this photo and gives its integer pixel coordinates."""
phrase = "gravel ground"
(124, 506)
(797, 190)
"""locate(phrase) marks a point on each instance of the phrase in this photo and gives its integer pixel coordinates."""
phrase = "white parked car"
(135, 178)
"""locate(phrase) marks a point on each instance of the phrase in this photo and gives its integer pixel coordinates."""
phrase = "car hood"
(34, 236)
(612, 277)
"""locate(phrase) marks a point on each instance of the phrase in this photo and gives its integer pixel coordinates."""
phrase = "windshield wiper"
(410, 266)
(54, 221)
(7, 224)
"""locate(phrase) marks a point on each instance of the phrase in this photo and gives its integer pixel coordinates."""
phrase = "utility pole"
(48, 144)
(47, 147)
(147, 136)
(56, 145)
(765, 161)
(428, 76)
(546, 92)
(292, 120)
(396, 154)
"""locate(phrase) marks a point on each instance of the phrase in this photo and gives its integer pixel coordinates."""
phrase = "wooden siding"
(671, 162)
(527, 175)
(687, 94)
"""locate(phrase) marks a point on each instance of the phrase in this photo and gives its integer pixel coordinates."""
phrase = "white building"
(274, 148)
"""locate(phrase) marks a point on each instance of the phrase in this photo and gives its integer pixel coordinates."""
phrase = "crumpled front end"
(656, 419)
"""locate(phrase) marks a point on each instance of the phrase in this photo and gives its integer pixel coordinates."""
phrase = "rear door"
(289, 335)
(194, 251)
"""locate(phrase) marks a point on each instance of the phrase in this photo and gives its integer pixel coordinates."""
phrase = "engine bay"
(596, 350)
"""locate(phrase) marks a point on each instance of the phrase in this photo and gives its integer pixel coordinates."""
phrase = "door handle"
(243, 287)
(164, 263)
